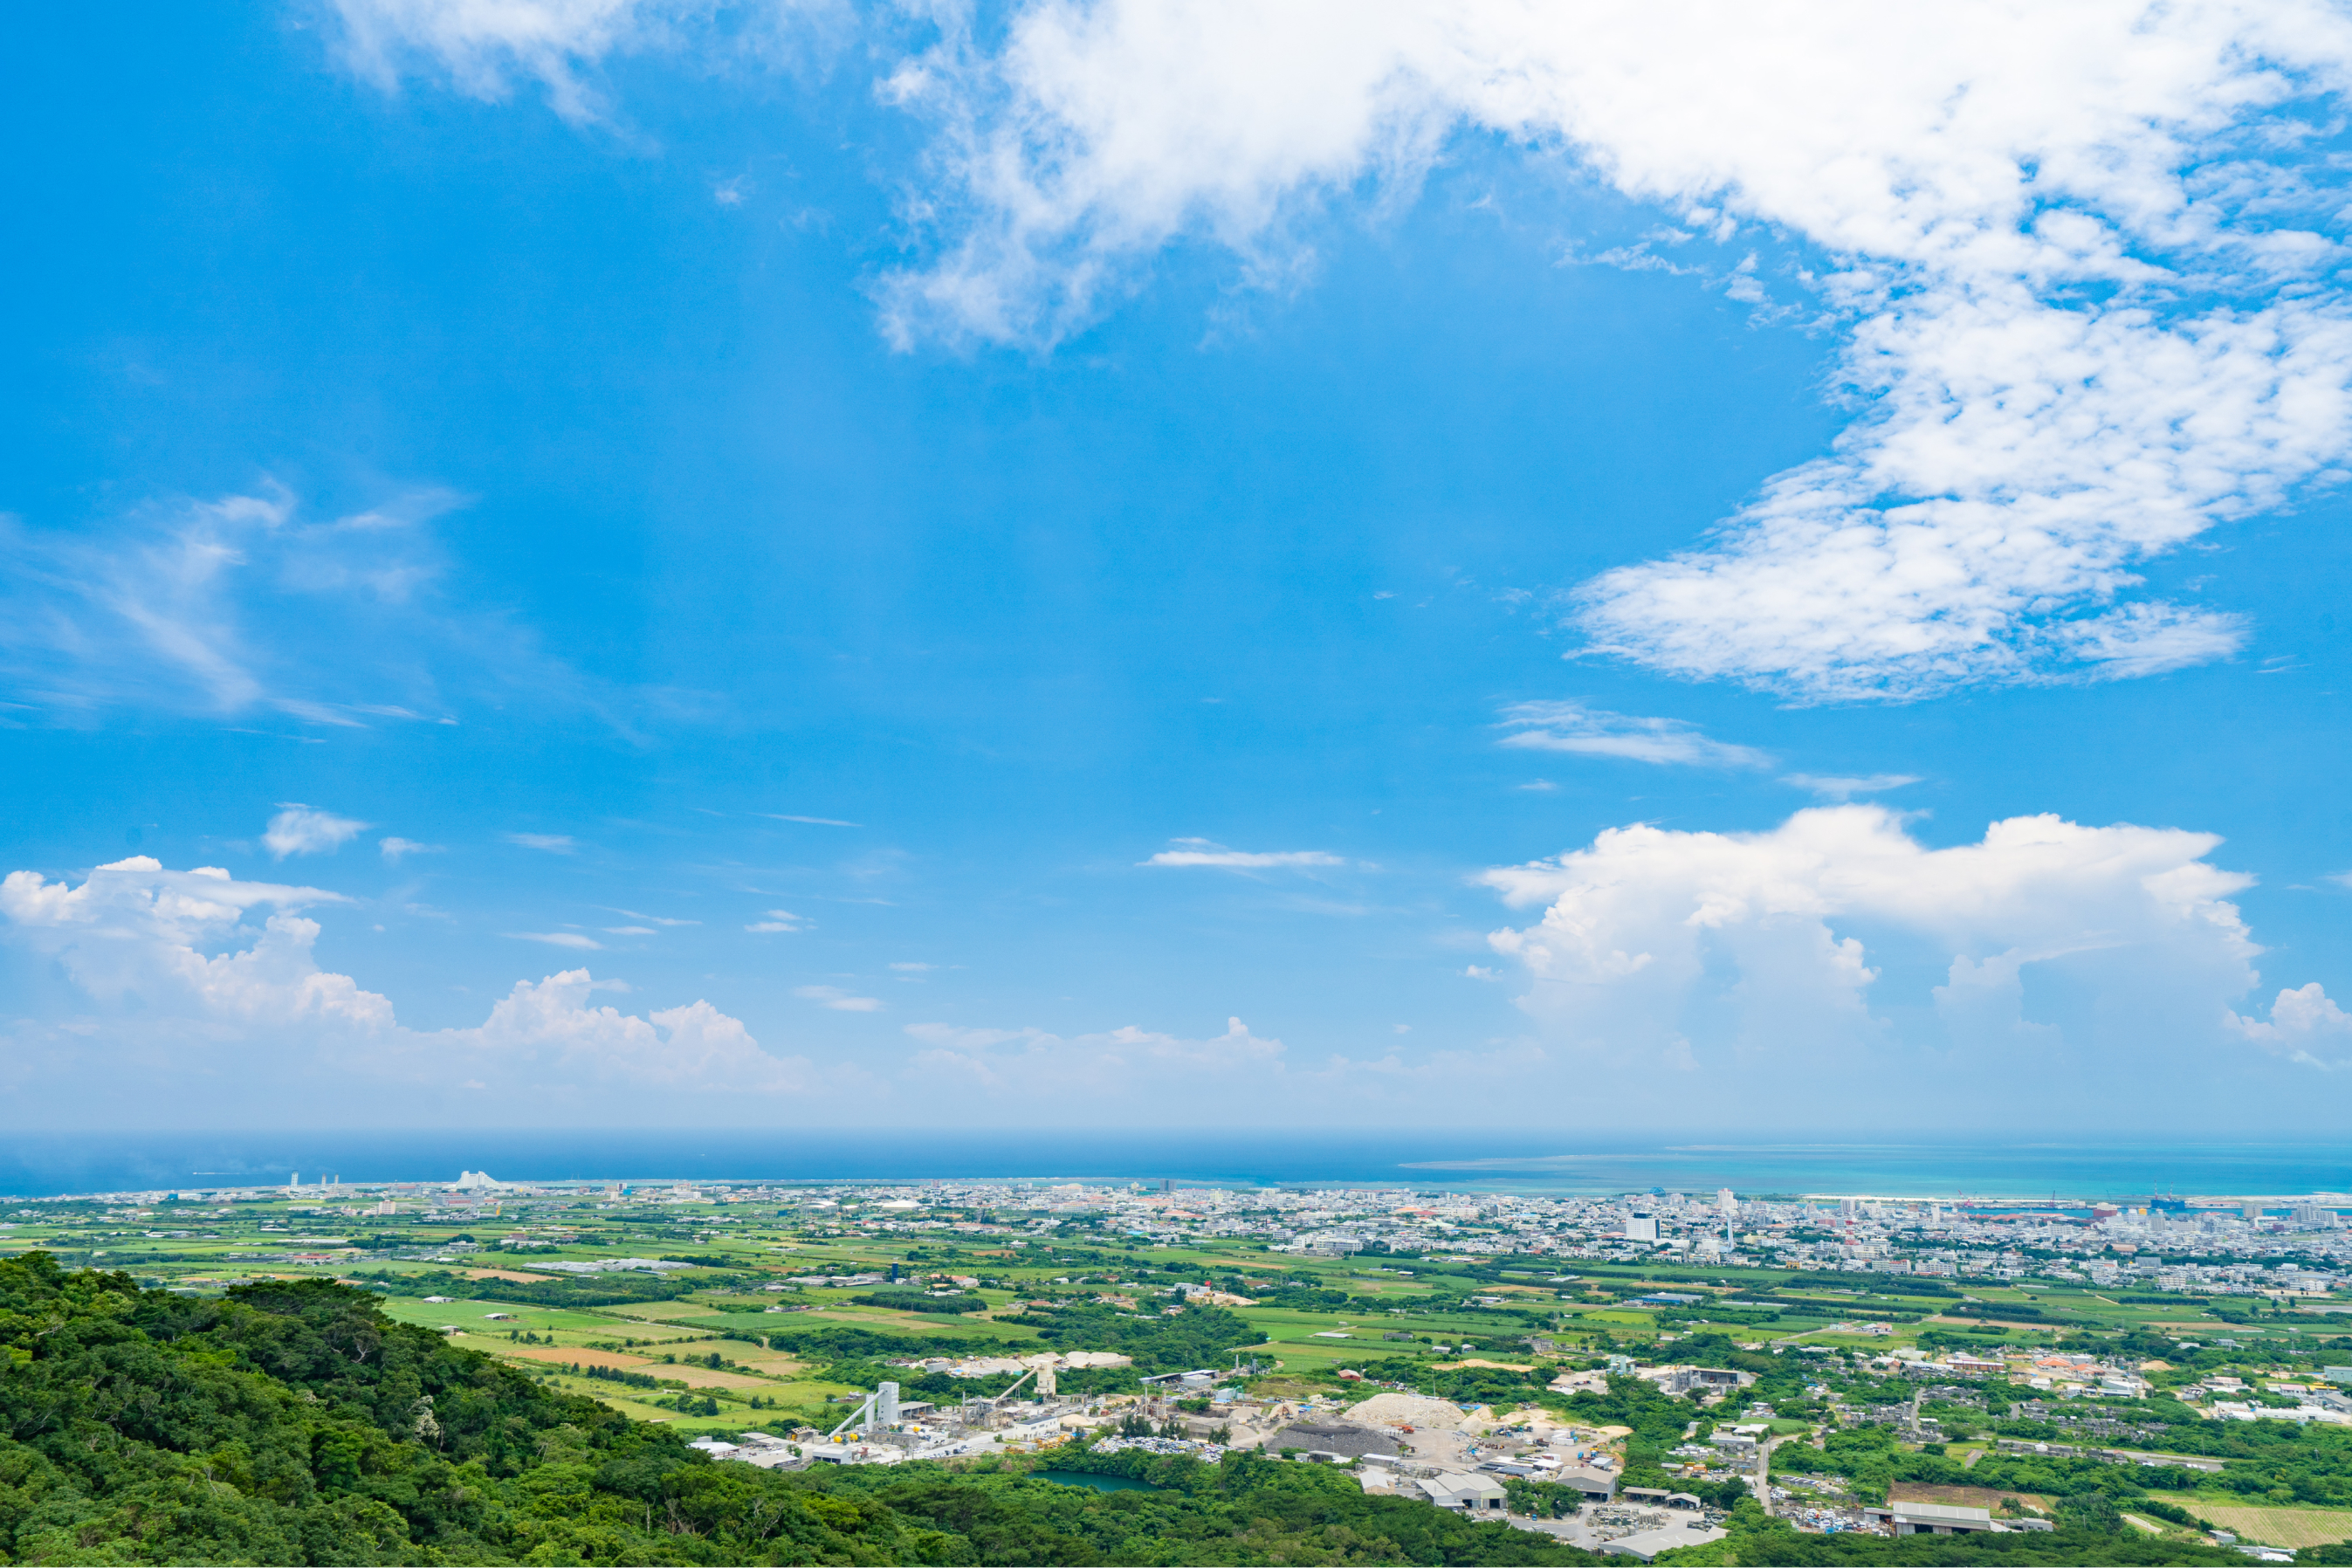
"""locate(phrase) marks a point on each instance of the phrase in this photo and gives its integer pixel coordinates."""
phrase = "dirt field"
(560, 1353)
(1965, 1497)
(1413, 1409)
(2279, 1526)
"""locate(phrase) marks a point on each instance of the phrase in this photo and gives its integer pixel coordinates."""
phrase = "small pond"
(1100, 1483)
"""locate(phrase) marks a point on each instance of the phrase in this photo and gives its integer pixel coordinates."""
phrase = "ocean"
(45, 1164)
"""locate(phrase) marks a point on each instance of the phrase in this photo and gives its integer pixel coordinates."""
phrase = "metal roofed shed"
(1472, 1494)
(1931, 1518)
(1598, 1485)
(1643, 1545)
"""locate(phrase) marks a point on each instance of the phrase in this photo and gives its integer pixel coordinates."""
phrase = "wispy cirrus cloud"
(247, 606)
(579, 940)
(780, 921)
(838, 1000)
(1585, 731)
(395, 849)
(1846, 787)
(547, 843)
(1203, 852)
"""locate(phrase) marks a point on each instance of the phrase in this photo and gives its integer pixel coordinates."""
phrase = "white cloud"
(631, 930)
(2083, 258)
(197, 1011)
(2301, 1022)
(2083, 255)
(552, 843)
(840, 1001)
(812, 821)
(395, 848)
(1843, 787)
(1201, 852)
(548, 1027)
(297, 829)
(1596, 732)
(914, 968)
(484, 46)
(1805, 960)
(571, 938)
(780, 921)
(244, 607)
(652, 919)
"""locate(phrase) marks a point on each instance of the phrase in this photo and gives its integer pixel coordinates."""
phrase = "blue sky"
(821, 566)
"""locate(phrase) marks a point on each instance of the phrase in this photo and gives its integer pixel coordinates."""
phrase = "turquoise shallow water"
(1535, 1161)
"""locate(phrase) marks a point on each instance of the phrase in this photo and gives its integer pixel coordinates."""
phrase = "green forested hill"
(296, 1424)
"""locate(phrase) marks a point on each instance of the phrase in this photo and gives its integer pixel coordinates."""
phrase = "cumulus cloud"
(2304, 1022)
(297, 829)
(1846, 787)
(840, 1001)
(1596, 732)
(194, 1004)
(1837, 948)
(395, 848)
(1203, 852)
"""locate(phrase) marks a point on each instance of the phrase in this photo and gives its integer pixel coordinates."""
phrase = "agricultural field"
(2290, 1527)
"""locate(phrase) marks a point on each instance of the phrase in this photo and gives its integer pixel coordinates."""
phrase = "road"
(1761, 1484)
